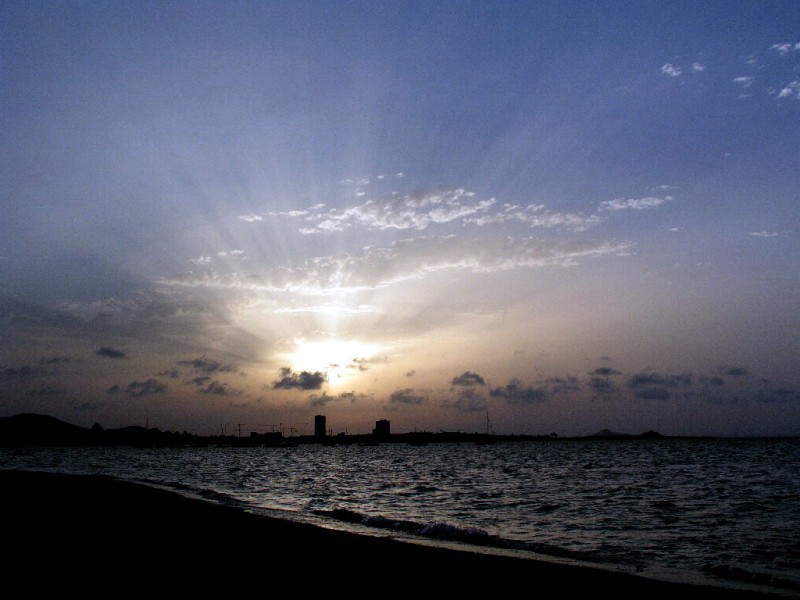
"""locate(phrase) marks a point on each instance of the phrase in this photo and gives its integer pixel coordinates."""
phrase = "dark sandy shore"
(104, 537)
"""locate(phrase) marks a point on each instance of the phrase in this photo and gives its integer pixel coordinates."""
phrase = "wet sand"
(101, 537)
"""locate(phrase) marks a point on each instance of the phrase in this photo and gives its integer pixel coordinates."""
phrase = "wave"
(731, 573)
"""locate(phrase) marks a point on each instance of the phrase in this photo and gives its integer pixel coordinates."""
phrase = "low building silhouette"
(319, 426)
(382, 428)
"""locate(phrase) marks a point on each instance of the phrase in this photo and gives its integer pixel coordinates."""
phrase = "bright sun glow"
(331, 356)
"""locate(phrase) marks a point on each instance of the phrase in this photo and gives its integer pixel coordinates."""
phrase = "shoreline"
(77, 531)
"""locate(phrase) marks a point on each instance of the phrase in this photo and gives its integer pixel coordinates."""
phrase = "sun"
(337, 358)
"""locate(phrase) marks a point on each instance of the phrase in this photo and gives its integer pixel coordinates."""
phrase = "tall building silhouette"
(319, 426)
(382, 428)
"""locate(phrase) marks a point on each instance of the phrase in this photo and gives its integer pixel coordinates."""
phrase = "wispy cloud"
(633, 203)
(324, 398)
(137, 389)
(200, 261)
(744, 81)
(763, 234)
(785, 47)
(207, 365)
(671, 70)
(698, 67)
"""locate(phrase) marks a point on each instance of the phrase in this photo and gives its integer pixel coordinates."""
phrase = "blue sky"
(569, 216)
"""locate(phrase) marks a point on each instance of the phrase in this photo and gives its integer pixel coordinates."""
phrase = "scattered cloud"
(200, 261)
(137, 389)
(633, 203)
(407, 396)
(23, 372)
(698, 67)
(218, 388)
(712, 381)
(652, 393)
(671, 70)
(562, 385)
(763, 234)
(304, 380)
(251, 218)
(468, 379)
(110, 352)
(207, 365)
(516, 393)
(649, 378)
(411, 373)
(469, 400)
(785, 47)
(744, 81)
(55, 360)
(734, 371)
(777, 395)
(324, 398)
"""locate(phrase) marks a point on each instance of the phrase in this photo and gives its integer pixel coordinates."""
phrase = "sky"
(533, 216)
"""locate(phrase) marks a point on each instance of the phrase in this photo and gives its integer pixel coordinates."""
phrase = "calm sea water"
(716, 511)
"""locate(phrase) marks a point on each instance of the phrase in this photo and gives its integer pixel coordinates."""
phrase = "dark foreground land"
(105, 538)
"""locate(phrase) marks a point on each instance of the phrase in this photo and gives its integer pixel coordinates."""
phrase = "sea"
(724, 512)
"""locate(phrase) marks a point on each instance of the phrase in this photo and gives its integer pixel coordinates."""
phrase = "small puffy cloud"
(251, 218)
(516, 393)
(763, 234)
(671, 70)
(468, 401)
(110, 352)
(305, 380)
(137, 389)
(407, 396)
(743, 81)
(605, 372)
(633, 203)
(23, 372)
(698, 67)
(200, 261)
(734, 371)
(791, 90)
(468, 379)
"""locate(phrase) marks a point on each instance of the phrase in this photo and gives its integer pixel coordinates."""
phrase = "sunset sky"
(567, 216)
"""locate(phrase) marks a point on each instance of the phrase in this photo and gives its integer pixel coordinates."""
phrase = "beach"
(83, 533)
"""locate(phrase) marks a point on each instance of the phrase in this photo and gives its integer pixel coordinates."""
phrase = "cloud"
(671, 70)
(45, 390)
(55, 360)
(468, 401)
(734, 371)
(785, 48)
(23, 372)
(201, 380)
(648, 378)
(652, 393)
(304, 380)
(110, 352)
(417, 210)
(605, 372)
(763, 234)
(171, 373)
(218, 388)
(516, 393)
(411, 373)
(407, 396)
(633, 203)
(777, 395)
(535, 215)
(792, 90)
(324, 398)
(207, 365)
(562, 385)
(712, 381)
(251, 218)
(137, 389)
(468, 379)
(200, 261)
(602, 387)
(698, 67)
(745, 82)
(404, 260)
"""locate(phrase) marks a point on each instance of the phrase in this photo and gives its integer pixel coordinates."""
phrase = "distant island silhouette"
(30, 430)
